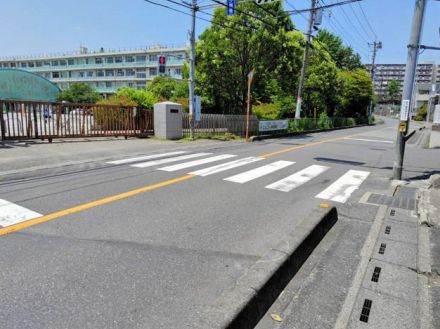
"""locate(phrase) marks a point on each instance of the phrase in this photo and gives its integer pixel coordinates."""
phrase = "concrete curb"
(244, 305)
(262, 137)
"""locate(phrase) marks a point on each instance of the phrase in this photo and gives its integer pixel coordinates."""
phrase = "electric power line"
(368, 22)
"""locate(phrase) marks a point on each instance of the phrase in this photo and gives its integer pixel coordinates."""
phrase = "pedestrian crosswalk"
(340, 190)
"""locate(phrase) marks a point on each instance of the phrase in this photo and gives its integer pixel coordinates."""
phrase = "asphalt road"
(119, 246)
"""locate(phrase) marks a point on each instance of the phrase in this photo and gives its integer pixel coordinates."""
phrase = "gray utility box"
(168, 120)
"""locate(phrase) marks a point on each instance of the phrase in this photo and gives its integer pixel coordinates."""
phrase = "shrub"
(324, 122)
(421, 114)
(267, 111)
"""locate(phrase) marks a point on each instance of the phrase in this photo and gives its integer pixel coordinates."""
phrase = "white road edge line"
(11, 213)
(146, 157)
(225, 166)
(297, 179)
(342, 188)
(197, 162)
(259, 172)
(371, 140)
(168, 160)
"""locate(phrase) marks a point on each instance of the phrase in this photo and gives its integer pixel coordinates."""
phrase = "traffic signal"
(162, 64)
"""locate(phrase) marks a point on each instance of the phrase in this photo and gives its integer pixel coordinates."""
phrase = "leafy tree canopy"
(141, 97)
(166, 88)
(345, 58)
(234, 45)
(356, 92)
(393, 90)
(79, 93)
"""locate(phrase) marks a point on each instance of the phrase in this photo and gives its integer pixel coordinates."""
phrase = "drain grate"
(398, 201)
(387, 230)
(376, 273)
(365, 313)
(382, 248)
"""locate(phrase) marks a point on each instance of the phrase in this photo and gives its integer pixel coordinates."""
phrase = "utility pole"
(305, 60)
(192, 56)
(376, 46)
(411, 66)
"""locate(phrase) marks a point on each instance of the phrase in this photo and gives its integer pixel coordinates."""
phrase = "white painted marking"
(11, 213)
(168, 160)
(146, 157)
(225, 166)
(297, 179)
(259, 172)
(342, 189)
(371, 140)
(197, 162)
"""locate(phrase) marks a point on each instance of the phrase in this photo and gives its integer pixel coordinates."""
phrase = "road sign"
(230, 9)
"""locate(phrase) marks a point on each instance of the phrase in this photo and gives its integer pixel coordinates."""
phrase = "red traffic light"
(162, 60)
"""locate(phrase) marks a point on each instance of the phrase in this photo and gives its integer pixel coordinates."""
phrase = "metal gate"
(48, 120)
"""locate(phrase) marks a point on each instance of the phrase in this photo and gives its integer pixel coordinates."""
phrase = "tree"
(393, 90)
(356, 92)
(141, 97)
(167, 88)
(344, 57)
(79, 93)
(234, 45)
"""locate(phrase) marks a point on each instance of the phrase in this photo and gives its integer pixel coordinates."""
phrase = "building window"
(108, 84)
(141, 59)
(89, 74)
(153, 58)
(109, 60)
(153, 71)
(98, 60)
(130, 84)
(178, 71)
(100, 73)
(130, 73)
(12, 64)
(38, 64)
(31, 64)
(63, 62)
(55, 75)
(118, 59)
(54, 63)
(5, 65)
(109, 73)
(129, 59)
(47, 75)
(70, 62)
(81, 74)
(23, 65)
(141, 75)
(120, 73)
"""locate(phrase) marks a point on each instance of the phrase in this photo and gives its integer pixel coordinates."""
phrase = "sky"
(30, 27)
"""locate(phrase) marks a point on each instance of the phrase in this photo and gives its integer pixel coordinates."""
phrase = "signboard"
(198, 108)
(273, 125)
(404, 110)
(436, 120)
(262, 2)
(230, 9)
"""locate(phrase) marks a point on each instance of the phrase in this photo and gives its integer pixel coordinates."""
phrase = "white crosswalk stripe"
(225, 166)
(11, 213)
(259, 172)
(169, 160)
(197, 162)
(297, 179)
(146, 157)
(342, 188)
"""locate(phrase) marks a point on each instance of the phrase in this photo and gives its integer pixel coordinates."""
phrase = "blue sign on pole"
(230, 9)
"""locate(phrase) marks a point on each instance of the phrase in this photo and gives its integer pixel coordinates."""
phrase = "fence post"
(34, 112)
(2, 122)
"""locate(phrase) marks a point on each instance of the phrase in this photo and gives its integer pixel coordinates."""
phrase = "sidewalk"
(434, 140)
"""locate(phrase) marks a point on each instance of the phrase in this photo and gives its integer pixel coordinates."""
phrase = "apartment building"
(104, 70)
(427, 73)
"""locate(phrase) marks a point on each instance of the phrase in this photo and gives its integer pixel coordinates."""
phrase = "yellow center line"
(82, 207)
(113, 198)
(298, 147)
